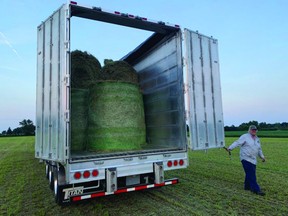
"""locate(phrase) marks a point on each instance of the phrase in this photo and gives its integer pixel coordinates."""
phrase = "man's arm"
(237, 143)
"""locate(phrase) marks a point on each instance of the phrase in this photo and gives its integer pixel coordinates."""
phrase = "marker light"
(86, 174)
(95, 173)
(77, 175)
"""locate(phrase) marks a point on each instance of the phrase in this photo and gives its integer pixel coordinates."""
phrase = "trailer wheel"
(57, 189)
(51, 177)
(47, 170)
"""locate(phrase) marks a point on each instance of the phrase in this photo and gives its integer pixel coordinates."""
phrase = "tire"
(51, 177)
(57, 189)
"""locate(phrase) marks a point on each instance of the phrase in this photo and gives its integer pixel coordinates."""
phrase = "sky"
(252, 41)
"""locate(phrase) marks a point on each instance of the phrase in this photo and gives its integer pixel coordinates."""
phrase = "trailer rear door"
(204, 102)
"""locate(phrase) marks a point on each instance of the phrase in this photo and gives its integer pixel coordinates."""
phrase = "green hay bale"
(116, 117)
(79, 119)
(85, 69)
(118, 71)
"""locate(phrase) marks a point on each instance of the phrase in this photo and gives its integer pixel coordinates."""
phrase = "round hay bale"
(85, 69)
(116, 117)
(79, 119)
(118, 71)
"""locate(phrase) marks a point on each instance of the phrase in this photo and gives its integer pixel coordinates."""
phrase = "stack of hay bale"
(84, 68)
(115, 108)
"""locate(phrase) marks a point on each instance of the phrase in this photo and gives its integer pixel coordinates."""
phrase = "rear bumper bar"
(125, 190)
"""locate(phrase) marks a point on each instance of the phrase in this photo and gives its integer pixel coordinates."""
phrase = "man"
(250, 148)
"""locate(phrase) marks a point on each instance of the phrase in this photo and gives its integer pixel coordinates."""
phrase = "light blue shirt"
(250, 148)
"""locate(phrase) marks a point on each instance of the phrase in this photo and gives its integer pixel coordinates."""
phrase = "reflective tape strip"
(85, 197)
(125, 190)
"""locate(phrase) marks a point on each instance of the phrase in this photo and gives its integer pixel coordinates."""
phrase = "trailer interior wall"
(161, 80)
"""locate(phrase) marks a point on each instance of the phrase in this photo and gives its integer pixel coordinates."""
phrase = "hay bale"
(79, 119)
(116, 117)
(85, 69)
(118, 71)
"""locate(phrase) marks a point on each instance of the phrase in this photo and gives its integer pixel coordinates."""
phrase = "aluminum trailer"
(179, 75)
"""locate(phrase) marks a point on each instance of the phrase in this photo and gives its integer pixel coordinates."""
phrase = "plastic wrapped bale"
(85, 69)
(79, 119)
(116, 117)
(118, 71)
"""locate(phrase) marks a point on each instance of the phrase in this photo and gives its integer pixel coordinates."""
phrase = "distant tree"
(284, 125)
(245, 126)
(231, 128)
(18, 131)
(261, 126)
(27, 127)
(4, 132)
(9, 131)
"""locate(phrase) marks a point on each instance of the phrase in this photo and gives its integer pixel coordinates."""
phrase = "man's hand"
(263, 159)
(227, 149)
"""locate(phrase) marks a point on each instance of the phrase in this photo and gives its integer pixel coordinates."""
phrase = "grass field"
(211, 185)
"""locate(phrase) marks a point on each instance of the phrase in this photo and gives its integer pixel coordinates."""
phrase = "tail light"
(175, 163)
(77, 175)
(169, 163)
(95, 173)
(86, 174)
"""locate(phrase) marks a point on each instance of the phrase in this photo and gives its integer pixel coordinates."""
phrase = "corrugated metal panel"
(161, 80)
(204, 95)
(40, 95)
(52, 100)
(47, 89)
(64, 62)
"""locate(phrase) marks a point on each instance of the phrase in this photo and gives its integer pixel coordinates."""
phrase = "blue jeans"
(250, 176)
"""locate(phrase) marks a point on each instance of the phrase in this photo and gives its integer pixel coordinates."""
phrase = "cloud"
(6, 41)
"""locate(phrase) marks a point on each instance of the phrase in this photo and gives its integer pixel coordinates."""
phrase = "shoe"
(260, 193)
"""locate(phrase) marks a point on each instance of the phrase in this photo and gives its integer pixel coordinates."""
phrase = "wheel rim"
(47, 170)
(55, 186)
(50, 175)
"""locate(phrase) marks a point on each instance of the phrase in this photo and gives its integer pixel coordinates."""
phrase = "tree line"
(261, 126)
(27, 128)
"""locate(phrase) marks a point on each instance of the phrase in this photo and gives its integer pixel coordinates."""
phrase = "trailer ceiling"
(120, 19)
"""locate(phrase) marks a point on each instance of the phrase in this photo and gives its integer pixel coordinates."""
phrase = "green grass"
(211, 185)
(272, 133)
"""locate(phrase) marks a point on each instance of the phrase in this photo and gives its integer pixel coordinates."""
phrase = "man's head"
(252, 130)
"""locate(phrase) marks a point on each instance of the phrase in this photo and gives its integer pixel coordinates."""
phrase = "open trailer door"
(204, 101)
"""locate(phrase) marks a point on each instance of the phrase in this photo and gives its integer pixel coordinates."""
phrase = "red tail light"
(86, 174)
(77, 175)
(169, 163)
(181, 162)
(175, 163)
(95, 173)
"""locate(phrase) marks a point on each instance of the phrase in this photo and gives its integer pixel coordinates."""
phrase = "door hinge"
(67, 80)
(67, 116)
